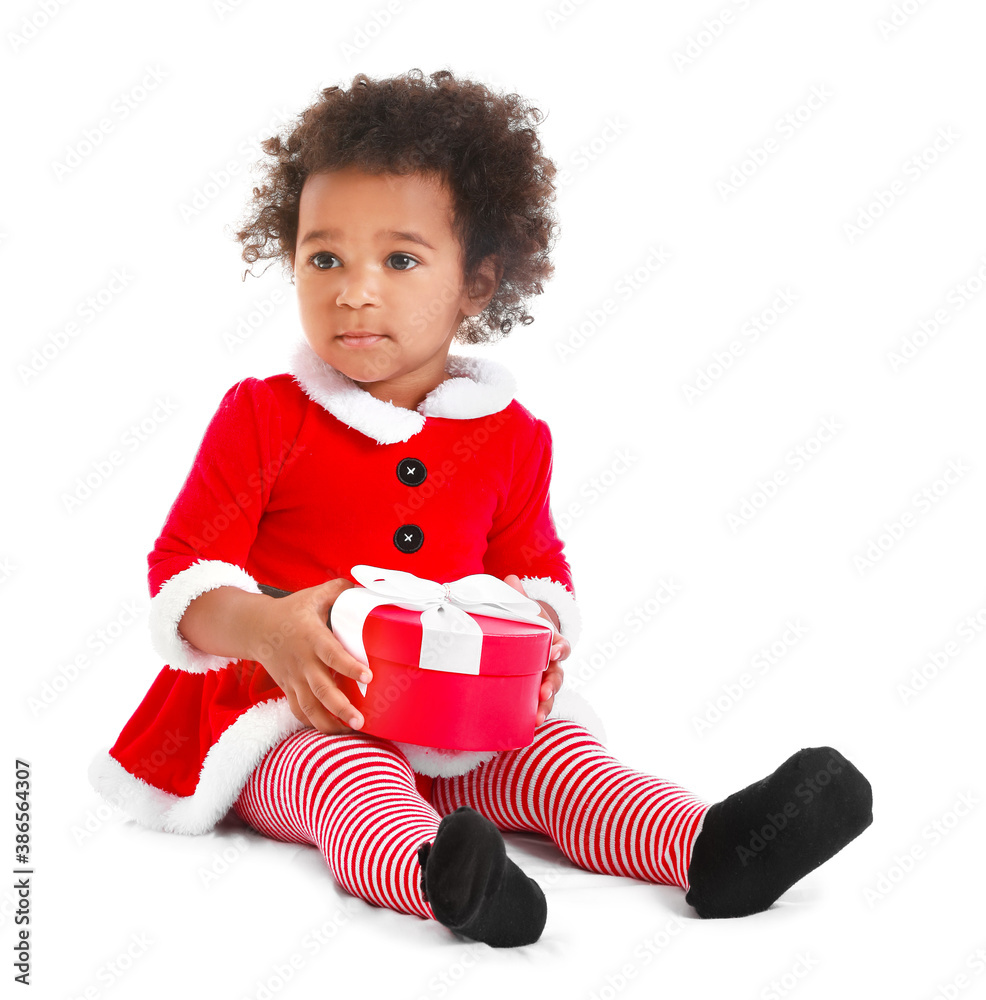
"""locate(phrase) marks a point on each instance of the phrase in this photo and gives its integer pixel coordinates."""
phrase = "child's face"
(359, 266)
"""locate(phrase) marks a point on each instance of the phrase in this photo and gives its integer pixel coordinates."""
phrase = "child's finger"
(552, 678)
(335, 656)
(551, 681)
(323, 721)
(329, 701)
(295, 708)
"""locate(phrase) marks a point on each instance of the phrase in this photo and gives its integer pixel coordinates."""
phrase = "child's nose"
(359, 286)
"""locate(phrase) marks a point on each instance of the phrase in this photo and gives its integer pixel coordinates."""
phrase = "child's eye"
(322, 253)
(406, 256)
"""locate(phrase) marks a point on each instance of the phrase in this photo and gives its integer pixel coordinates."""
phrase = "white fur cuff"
(170, 602)
(543, 588)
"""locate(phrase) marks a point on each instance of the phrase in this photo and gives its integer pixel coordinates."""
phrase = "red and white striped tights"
(354, 797)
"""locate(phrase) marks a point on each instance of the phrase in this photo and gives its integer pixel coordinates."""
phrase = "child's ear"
(484, 285)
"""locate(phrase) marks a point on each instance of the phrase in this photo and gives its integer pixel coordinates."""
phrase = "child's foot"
(473, 887)
(755, 844)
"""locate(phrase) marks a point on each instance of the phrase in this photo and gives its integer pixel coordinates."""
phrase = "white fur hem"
(225, 770)
(169, 604)
(543, 588)
(234, 756)
(442, 763)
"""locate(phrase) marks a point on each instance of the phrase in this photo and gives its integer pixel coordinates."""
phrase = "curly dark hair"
(481, 145)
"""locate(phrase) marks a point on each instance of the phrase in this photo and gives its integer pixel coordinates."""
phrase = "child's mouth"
(361, 340)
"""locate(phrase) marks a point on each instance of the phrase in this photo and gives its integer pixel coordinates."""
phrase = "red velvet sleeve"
(218, 509)
(523, 539)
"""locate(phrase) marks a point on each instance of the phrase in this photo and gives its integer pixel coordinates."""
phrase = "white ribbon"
(450, 639)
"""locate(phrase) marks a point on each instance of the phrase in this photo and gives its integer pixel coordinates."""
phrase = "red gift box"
(423, 698)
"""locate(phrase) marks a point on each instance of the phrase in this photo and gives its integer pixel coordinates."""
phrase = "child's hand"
(551, 679)
(306, 656)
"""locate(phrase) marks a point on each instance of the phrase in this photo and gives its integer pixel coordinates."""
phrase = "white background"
(852, 211)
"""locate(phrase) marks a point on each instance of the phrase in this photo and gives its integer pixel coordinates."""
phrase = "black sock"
(473, 887)
(755, 844)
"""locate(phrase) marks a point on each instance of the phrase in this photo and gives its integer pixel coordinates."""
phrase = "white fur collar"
(479, 386)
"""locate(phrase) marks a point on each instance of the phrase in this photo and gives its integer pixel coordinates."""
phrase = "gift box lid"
(510, 648)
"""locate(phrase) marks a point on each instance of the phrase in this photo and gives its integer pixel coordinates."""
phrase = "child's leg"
(735, 857)
(354, 798)
(604, 816)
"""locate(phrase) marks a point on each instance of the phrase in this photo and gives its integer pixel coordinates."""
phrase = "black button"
(409, 538)
(411, 471)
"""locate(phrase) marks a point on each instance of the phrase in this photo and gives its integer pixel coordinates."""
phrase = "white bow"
(450, 639)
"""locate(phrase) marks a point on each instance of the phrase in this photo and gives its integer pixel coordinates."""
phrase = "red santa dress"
(299, 477)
